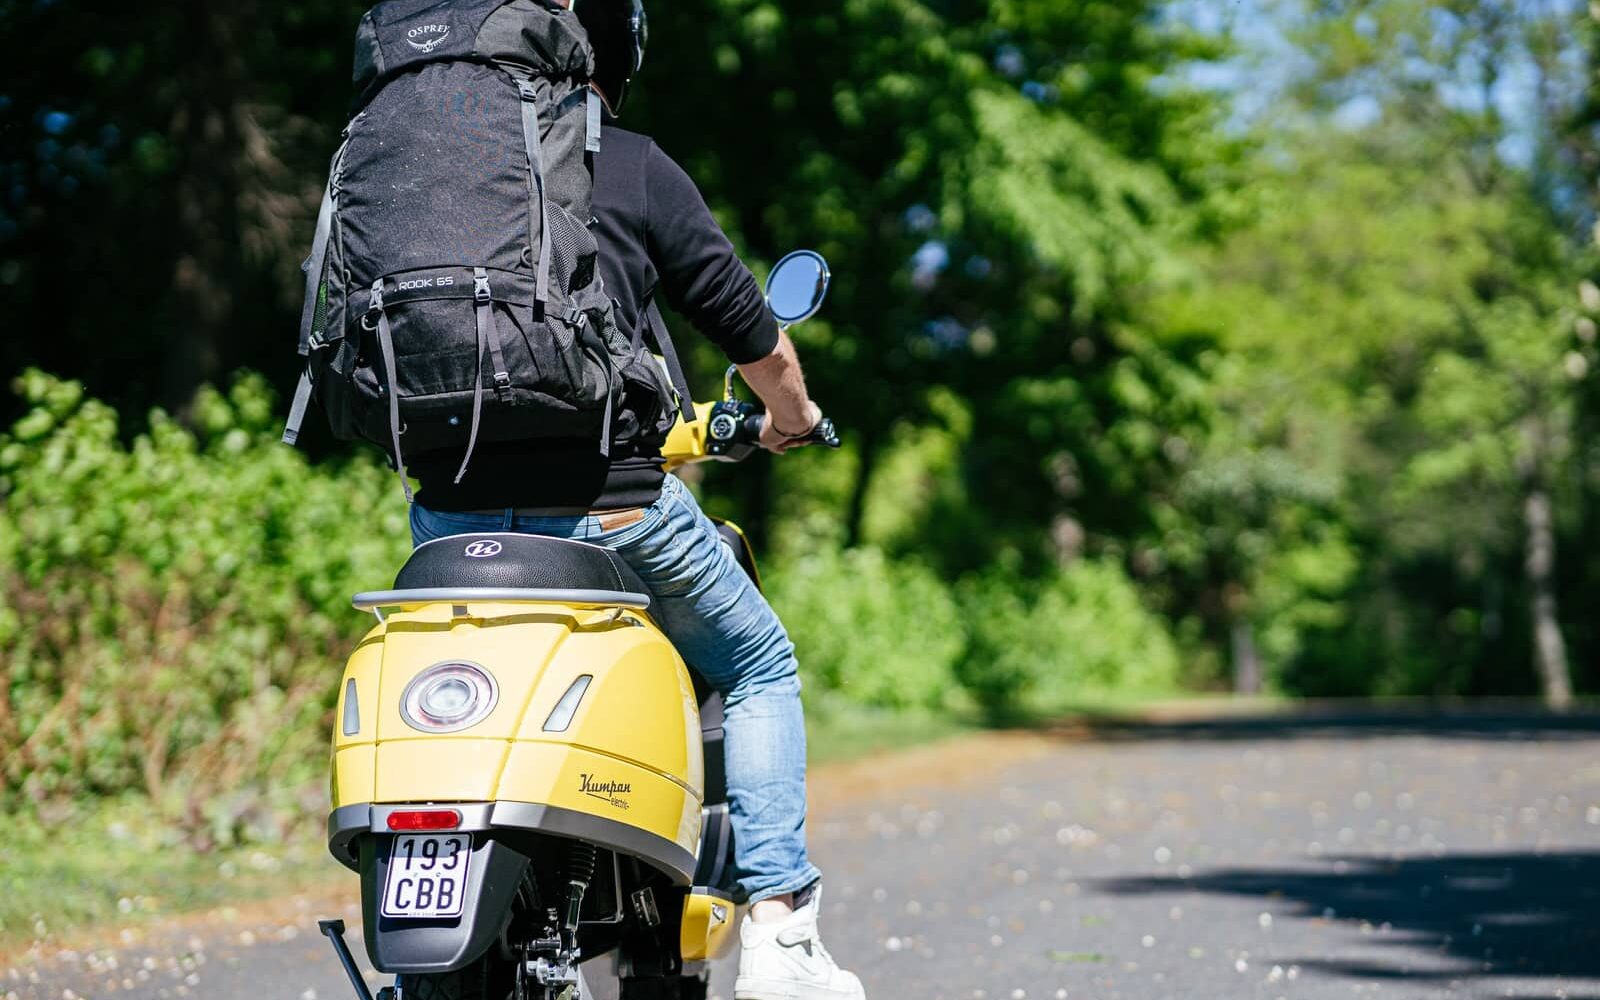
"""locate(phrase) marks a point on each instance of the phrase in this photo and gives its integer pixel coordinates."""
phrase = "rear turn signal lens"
(430, 819)
(561, 717)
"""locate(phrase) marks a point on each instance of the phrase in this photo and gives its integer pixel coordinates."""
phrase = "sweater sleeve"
(702, 276)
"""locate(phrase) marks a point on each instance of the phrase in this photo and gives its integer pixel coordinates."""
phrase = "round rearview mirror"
(797, 286)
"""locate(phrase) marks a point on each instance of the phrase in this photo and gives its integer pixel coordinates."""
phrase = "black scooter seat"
(505, 560)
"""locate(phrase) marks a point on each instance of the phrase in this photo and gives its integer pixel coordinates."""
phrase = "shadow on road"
(1493, 914)
(1335, 721)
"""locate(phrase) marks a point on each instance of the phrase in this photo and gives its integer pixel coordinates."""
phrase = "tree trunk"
(207, 138)
(758, 494)
(867, 451)
(1549, 649)
(1247, 678)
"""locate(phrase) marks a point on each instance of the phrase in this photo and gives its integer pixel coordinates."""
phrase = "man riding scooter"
(657, 236)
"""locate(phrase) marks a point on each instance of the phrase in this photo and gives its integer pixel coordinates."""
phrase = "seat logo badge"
(428, 37)
(605, 791)
(484, 550)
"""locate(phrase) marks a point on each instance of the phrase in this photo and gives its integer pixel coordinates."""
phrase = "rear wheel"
(482, 980)
(674, 988)
(693, 988)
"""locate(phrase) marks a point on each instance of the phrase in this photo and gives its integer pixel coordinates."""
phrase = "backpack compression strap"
(297, 409)
(530, 139)
(386, 347)
(483, 308)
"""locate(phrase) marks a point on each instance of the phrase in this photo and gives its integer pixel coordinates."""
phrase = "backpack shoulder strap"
(315, 268)
(663, 344)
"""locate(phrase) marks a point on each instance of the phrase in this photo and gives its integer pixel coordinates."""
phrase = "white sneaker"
(785, 960)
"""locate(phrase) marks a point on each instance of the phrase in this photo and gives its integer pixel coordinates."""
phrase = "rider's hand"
(778, 443)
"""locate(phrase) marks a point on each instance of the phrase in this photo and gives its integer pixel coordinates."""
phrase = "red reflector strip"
(432, 819)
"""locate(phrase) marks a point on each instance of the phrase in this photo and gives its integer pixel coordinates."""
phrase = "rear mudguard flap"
(433, 946)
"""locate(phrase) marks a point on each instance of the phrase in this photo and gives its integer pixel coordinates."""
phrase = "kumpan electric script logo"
(605, 791)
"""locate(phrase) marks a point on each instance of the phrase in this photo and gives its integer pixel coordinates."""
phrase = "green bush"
(175, 609)
(869, 630)
(175, 613)
(1083, 636)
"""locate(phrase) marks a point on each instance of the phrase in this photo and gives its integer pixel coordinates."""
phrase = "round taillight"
(449, 697)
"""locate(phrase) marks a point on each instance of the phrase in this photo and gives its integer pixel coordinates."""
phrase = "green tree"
(1402, 317)
(996, 183)
(162, 168)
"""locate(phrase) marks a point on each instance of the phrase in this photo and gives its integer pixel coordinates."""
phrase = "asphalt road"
(1308, 857)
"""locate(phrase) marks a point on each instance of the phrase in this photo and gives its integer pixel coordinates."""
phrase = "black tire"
(692, 988)
(679, 988)
(482, 980)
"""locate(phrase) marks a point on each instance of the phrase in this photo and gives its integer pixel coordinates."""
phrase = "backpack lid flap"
(398, 35)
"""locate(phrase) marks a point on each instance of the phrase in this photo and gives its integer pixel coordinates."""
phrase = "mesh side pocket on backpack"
(573, 250)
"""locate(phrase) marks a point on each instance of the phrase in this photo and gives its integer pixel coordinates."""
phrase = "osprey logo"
(484, 550)
(427, 37)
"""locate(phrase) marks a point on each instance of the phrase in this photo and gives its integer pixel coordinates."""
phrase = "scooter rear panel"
(629, 754)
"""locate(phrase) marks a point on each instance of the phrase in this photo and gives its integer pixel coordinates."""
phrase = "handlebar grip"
(824, 433)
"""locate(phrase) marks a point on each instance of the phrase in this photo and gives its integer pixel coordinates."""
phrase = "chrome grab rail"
(375, 600)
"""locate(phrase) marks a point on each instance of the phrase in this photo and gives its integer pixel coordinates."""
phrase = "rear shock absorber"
(580, 874)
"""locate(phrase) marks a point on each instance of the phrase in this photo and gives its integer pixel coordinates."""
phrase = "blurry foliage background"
(1188, 345)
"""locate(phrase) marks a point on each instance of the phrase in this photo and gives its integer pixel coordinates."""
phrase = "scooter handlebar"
(824, 433)
(733, 431)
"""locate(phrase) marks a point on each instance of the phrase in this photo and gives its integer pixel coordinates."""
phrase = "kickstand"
(334, 929)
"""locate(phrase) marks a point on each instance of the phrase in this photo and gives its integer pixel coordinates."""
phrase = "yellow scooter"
(526, 775)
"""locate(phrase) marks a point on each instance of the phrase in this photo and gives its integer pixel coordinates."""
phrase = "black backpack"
(452, 293)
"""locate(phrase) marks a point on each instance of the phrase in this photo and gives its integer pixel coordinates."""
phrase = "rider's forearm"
(779, 381)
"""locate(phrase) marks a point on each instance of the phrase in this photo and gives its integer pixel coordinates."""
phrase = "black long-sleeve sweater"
(656, 235)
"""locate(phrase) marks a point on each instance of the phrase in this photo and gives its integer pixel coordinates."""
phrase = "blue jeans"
(723, 626)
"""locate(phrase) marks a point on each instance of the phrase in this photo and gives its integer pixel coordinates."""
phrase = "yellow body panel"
(708, 922)
(583, 781)
(637, 708)
(687, 441)
(632, 753)
(439, 769)
(513, 643)
(365, 667)
(354, 774)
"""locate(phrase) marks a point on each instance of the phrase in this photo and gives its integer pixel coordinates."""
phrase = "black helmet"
(618, 32)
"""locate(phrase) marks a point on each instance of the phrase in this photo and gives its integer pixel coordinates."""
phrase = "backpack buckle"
(502, 381)
(369, 319)
(480, 286)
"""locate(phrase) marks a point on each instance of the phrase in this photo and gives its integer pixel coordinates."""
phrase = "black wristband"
(792, 437)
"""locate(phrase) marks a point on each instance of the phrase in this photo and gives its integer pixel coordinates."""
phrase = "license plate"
(427, 876)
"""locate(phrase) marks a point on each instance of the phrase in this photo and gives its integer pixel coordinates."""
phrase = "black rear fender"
(434, 946)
